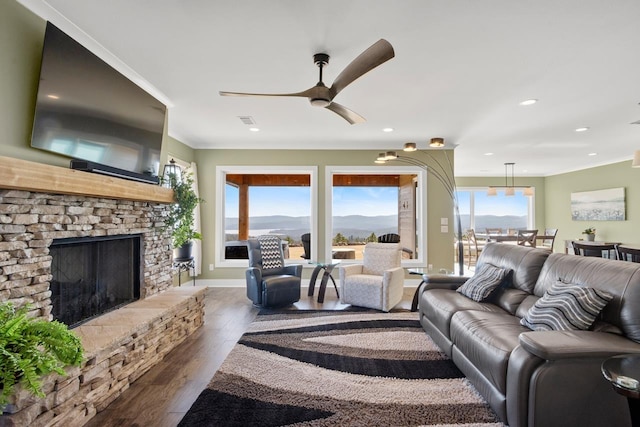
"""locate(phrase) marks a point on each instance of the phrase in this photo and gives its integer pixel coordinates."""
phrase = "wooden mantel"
(17, 174)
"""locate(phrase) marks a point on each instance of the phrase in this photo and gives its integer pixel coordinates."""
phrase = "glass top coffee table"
(327, 267)
(623, 372)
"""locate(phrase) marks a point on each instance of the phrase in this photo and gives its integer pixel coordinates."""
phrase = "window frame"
(531, 218)
(421, 205)
(222, 170)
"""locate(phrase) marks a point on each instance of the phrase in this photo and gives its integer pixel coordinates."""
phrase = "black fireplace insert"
(94, 275)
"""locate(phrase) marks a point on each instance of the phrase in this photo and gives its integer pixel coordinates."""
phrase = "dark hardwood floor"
(163, 395)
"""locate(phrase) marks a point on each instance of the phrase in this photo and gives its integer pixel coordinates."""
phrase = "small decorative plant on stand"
(32, 348)
(181, 215)
(590, 233)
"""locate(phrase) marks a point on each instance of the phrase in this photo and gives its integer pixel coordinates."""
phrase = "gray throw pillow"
(566, 307)
(487, 279)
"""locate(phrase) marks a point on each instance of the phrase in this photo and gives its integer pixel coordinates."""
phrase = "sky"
(369, 201)
(296, 201)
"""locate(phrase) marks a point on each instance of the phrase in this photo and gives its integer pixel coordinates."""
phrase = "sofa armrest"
(394, 275)
(254, 284)
(350, 269)
(556, 345)
(443, 281)
(293, 269)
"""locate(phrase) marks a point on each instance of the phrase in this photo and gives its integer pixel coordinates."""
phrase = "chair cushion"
(271, 249)
(566, 307)
(439, 306)
(484, 282)
(379, 257)
(487, 339)
(363, 290)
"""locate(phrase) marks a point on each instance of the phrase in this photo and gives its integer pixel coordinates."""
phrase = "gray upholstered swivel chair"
(271, 283)
(376, 283)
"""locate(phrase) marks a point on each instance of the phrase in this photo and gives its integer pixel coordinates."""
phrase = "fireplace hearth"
(93, 275)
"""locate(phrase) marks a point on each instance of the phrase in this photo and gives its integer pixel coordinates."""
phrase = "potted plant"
(591, 234)
(31, 348)
(181, 215)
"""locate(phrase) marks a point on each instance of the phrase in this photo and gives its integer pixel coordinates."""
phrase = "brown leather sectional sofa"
(538, 378)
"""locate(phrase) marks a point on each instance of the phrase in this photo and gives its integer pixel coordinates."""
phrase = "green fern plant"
(31, 348)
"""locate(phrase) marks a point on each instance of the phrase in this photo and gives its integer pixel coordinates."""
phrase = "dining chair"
(548, 243)
(491, 231)
(473, 246)
(604, 250)
(527, 238)
(628, 254)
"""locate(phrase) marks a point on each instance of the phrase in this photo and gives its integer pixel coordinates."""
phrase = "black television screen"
(87, 110)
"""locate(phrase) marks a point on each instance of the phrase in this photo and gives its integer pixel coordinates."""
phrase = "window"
(263, 200)
(508, 213)
(364, 203)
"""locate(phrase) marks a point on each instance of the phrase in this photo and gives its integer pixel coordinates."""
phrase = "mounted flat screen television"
(90, 112)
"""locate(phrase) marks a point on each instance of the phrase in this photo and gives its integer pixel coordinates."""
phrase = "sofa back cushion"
(619, 278)
(525, 262)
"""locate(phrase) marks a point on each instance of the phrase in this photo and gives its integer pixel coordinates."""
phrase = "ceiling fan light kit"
(322, 96)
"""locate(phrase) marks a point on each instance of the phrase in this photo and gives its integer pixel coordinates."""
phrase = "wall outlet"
(444, 228)
(210, 267)
(430, 267)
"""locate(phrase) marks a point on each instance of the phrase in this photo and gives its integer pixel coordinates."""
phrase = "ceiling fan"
(322, 96)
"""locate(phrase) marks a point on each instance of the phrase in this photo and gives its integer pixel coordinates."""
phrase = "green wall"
(439, 245)
(558, 198)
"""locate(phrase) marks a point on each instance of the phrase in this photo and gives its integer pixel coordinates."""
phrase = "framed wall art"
(599, 205)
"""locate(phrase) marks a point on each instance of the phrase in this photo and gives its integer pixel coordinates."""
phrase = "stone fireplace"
(93, 275)
(30, 222)
(45, 210)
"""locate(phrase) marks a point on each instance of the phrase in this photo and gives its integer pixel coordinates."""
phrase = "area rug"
(328, 368)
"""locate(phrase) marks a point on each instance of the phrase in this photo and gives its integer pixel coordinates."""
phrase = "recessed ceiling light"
(529, 102)
(52, 96)
(592, 154)
(488, 154)
(254, 129)
(387, 130)
(583, 129)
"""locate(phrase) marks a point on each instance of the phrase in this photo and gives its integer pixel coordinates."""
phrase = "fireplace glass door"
(92, 276)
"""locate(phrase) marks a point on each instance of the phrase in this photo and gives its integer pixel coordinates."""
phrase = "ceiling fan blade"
(304, 94)
(378, 53)
(350, 116)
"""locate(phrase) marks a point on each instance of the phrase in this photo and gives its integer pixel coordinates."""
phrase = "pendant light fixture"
(509, 189)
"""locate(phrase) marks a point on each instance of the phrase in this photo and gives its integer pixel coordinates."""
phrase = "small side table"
(184, 264)
(328, 268)
(421, 272)
(623, 372)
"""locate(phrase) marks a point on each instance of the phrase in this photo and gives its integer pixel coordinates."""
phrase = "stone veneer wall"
(119, 346)
(30, 221)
